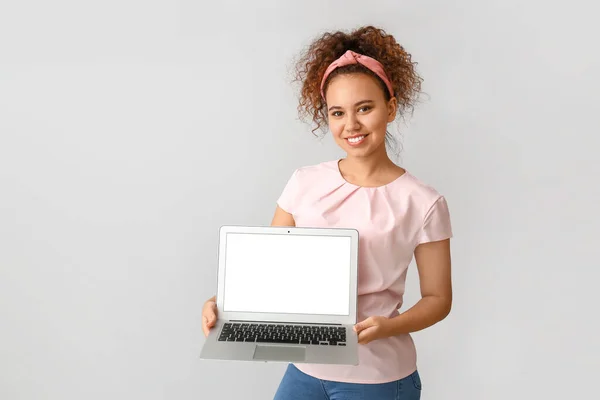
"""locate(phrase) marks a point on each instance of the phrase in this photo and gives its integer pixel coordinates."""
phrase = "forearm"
(427, 312)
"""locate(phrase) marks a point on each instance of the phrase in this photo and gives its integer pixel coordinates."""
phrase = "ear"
(392, 107)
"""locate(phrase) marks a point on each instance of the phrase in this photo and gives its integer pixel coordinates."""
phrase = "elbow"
(445, 308)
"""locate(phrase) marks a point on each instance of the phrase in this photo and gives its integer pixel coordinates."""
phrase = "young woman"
(355, 84)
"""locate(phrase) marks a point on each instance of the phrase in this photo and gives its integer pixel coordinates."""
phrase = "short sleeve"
(289, 196)
(437, 225)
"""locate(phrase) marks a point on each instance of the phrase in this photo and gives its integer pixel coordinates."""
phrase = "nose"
(352, 123)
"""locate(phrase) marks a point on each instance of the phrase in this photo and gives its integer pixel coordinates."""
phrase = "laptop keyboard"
(277, 333)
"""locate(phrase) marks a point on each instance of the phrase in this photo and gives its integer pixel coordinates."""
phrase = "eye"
(365, 108)
(337, 113)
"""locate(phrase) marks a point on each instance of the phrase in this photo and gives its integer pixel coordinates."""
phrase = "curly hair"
(368, 40)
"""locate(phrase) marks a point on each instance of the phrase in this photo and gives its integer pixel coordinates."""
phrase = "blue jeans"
(296, 385)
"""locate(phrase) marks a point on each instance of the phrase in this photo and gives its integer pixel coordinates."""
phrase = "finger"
(364, 338)
(363, 324)
(210, 310)
(204, 326)
(367, 335)
(210, 321)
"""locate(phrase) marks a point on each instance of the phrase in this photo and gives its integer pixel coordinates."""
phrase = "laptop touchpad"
(279, 353)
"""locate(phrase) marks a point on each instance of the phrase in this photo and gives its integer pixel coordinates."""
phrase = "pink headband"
(351, 57)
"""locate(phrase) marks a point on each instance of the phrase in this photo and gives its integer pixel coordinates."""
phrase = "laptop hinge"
(285, 323)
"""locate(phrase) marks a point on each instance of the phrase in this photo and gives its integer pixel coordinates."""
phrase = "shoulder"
(306, 182)
(420, 193)
(320, 168)
(307, 173)
(419, 189)
(429, 207)
(306, 178)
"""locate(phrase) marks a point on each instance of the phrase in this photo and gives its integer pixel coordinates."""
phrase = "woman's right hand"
(209, 315)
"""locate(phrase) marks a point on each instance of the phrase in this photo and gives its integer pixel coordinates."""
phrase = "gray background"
(131, 130)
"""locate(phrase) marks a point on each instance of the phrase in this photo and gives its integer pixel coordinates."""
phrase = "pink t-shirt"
(392, 220)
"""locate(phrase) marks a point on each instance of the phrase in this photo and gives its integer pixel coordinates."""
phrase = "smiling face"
(358, 114)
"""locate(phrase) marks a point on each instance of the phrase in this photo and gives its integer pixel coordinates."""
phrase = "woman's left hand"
(372, 328)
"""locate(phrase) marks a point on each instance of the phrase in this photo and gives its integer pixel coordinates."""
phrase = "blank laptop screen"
(288, 274)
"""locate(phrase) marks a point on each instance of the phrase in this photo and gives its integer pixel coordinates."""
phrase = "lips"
(356, 140)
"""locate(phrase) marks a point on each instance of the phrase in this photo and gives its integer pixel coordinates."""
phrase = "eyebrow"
(355, 104)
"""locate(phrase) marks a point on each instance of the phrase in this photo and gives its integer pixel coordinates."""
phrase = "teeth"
(356, 139)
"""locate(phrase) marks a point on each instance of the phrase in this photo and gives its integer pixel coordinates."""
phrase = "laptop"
(286, 294)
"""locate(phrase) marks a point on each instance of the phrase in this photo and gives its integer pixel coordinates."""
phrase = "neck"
(366, 167)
